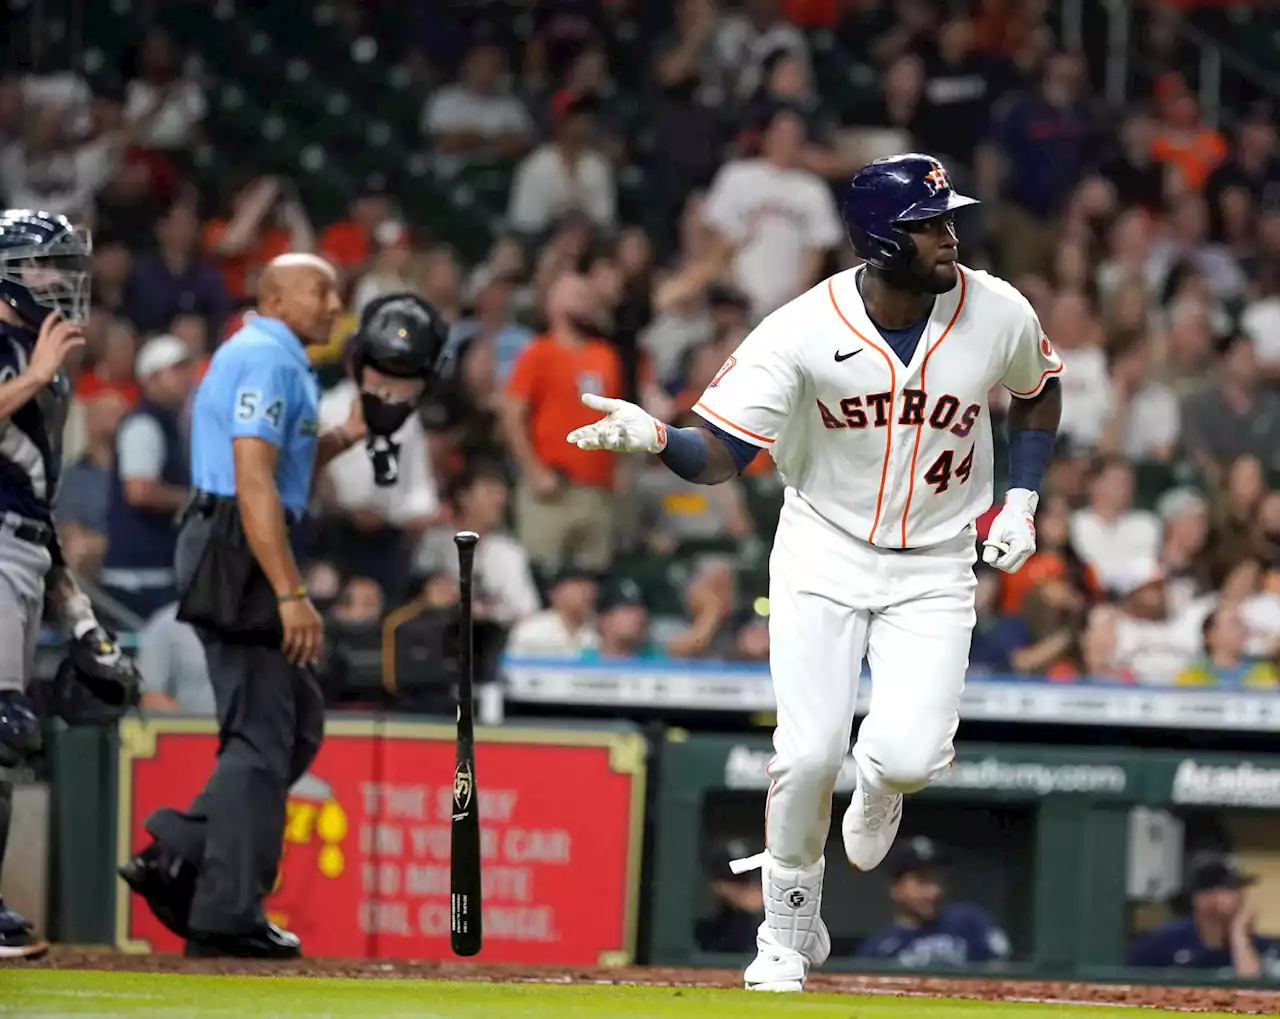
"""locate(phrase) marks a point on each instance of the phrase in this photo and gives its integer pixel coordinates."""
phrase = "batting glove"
(625, 428)
(1011, 541)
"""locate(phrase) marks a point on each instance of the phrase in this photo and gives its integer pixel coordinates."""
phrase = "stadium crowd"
(664, 179)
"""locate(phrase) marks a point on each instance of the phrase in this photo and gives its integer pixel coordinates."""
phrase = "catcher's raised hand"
(625, 428)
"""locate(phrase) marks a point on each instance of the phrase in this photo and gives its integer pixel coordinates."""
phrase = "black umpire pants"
(270, 725)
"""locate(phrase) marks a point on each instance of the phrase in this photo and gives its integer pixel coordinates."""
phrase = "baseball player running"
(870, 391)
(44, 296)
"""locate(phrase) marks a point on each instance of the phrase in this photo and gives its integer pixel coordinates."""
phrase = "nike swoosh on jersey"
(845, 357)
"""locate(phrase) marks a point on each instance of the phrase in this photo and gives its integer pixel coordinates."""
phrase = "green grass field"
(53, 995)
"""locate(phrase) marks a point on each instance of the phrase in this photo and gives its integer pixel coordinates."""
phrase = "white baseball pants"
(833, 601)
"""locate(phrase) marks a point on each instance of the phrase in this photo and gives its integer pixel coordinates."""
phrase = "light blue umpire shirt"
(259, 385)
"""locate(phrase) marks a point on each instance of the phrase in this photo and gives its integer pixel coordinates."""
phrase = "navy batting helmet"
(894, 190)
(402, 335)
(44, 266)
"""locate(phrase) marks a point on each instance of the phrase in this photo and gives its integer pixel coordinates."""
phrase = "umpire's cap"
(917, 855)
(404, 336)
(892, 191)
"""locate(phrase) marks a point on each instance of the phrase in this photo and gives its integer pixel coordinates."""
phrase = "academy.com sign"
(1239, 785)
(745, 769)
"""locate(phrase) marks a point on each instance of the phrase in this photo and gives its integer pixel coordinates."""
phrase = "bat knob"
(466, 539)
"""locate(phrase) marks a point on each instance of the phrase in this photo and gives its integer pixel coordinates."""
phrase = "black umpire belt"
(203, 504)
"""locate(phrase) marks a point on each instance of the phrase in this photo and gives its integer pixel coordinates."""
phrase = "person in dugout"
(1217, 932)
(927, 930)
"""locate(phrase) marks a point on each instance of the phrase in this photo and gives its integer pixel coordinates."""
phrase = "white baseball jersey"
(898, 455)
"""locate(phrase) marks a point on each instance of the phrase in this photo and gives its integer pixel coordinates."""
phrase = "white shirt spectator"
(141, 448)
(546, 633)
(546, 187)
(1153, 422)
(1260, 614)
(1086, 394)
(184, 107)
(503, 578)
(412, 496)
(741, 50)
(773, 217)
(455, 108)
(172, 664)
(1261, 323)
(1114, 548)
(63, 183)
(1156, 650)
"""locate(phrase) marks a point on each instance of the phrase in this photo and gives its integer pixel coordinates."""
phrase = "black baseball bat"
(465, 932)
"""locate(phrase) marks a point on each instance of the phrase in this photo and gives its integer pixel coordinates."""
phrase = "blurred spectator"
(84, 494)
(350, 244)
(1260, 613)
(360, 604)
(622, 622)
(171, 104)
(1095, 658)
(151, 482)
(744, 41)
(1186, 242)
(1225, 664)
(112, 271)
(710, 600)
(476, 116)
(1189, 346)
(899, 106)
(1232, 415)
(1184, 556)
(566, 174)
(1217, 934)
(1260, 320)
(995, 637)
(1152, 642)
(672, 510)
(264, 220)
(1109, 534)
(1253, 164)
(1086, 387)
(489, 297)
(927, 930)
(1235, 506)
(374, 527)
(504, 588)
(687, 62)
(175, 675)
(1053, 613)
(566, 628)
(1054, 558)
(962, 88)
(773, 221)
(176, 278)
(1186, 145)
(1143, 422)
(1134, 172)
(1041, 145)
(738, 899)
(389, 266)
(441, 281)
(113, 363)
(48, 168)
(565, 502)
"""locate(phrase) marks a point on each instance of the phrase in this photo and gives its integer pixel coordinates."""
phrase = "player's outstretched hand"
(1012, 538)
(625, 428)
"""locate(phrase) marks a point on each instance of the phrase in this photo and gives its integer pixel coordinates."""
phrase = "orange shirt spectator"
(1187, 145)
(90, 384)
(345, 244)
(551, 377)
(236, 270)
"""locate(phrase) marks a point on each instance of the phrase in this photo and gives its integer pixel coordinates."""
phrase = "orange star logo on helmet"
(937, 179)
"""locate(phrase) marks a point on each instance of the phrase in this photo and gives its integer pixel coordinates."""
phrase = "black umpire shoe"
(16, 938)
(266, 942)
(166, 882)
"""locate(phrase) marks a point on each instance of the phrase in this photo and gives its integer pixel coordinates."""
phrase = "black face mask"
(383, 420)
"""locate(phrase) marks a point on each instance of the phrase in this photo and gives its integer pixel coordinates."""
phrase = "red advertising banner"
(365, 870)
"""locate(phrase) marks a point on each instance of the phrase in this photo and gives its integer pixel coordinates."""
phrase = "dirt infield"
(1189, 999)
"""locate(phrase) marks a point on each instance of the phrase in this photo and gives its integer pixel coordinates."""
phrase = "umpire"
(255, 449)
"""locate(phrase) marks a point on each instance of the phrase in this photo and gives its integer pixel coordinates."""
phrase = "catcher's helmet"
(44, 266)
(402, 335)
(894, 190)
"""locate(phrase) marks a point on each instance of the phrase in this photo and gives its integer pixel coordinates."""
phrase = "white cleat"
(778, 969)
(870, 825)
